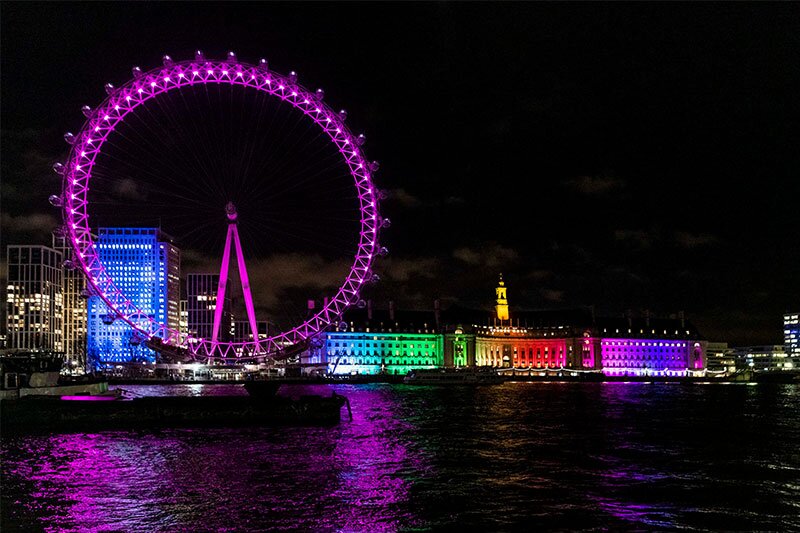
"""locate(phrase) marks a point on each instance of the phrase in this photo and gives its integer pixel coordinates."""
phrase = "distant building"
(720, 357)
(762, 358)
(384, 342)
(371, 341)
(184, 317)
(34, 303)
(575, 339)
(145, 266)
(243, 333)
(201, 304)
(74, 294)
(791, 334)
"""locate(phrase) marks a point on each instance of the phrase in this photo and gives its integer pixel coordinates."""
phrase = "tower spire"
(501, 302)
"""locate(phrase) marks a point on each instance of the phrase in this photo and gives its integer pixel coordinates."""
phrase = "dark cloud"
(552, 295)
(539, 275)
(404, 270)
(27, 175)
(641, 238)
(694, 240)
(28, 228)
(595, 185)
(492, 255)
(404, 198)
(128, 189)
(454, 200)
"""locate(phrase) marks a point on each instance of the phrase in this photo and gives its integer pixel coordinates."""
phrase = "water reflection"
(563, 456)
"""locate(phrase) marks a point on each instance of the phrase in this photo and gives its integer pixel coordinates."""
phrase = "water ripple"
(547, 456)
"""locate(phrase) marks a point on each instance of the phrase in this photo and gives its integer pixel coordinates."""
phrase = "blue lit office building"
(791, 334)
(145, 266)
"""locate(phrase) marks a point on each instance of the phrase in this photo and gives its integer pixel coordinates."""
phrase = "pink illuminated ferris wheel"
(152, 88)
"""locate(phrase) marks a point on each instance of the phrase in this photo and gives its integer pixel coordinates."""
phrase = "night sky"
(623, 156)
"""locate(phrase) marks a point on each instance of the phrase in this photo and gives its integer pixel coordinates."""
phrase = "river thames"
(617, 456)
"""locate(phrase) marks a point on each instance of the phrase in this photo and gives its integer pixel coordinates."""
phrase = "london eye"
(193, 146)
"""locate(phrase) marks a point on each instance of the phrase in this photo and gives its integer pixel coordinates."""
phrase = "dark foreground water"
(517, 456)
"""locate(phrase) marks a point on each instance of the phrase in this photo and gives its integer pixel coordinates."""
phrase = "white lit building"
(34, 304)
(719, 357)
(791, 334)
(75, 307)
(184, 322)
(770, 357)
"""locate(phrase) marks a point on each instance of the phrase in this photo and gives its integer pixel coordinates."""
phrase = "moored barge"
(87, 413)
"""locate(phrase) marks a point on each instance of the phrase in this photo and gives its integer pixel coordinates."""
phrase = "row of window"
(388, 362)
(641, 357)
(382, 353)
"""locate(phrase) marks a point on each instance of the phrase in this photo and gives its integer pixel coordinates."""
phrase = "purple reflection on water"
(353, 477)
(536, 456)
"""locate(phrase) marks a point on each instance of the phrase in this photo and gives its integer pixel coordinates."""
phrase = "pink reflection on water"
(353, 477)
(81, 476)
(95, 398)
(374, 467)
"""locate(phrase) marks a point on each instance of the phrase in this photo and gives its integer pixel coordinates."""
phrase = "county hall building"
(373, 341)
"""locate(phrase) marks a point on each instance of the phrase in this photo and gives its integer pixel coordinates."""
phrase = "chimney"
(391, 310)
(311, 305)
(437, 312)
(682, 316)
(647, 317)
(369, 309)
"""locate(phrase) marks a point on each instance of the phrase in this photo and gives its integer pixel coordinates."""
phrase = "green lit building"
(384, 342)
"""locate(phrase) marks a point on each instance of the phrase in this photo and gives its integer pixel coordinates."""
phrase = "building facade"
(145, 266)
(34, 300)
(383, 343)
(243, 333)
(201, 304)
(791, 334)
(74, 294)
(764, 358)
(184, 321)
(552, 340)
(720, 357)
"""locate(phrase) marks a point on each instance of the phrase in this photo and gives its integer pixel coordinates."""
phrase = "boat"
(262, 388)
(454, 376)
(43, 414)
(39, 374)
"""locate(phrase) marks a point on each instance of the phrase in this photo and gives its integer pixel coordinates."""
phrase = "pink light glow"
(96, 398)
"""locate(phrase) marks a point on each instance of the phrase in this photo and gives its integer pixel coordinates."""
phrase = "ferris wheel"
(109, 119)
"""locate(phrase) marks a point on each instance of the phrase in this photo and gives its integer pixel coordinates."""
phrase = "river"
(617, 456)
